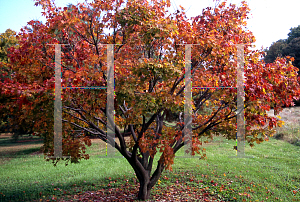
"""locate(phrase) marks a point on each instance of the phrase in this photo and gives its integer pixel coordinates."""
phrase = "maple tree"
(149, 79)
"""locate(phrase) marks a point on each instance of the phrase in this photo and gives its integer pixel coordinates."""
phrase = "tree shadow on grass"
(7, 140)
(18, 153)
(10, 149)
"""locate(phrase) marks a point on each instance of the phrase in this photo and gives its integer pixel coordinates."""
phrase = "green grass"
(31, 177)
(272, 175)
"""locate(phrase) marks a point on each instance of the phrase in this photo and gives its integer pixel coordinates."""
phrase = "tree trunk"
(144, 190)
(146, 184)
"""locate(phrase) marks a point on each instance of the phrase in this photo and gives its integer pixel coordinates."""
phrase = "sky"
(270, 20)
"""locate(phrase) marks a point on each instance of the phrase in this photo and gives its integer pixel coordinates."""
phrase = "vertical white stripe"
(240, 102)
(57, 105)
(110, 101)
(188, 102)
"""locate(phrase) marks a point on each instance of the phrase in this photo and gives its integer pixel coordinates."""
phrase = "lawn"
(271, 175)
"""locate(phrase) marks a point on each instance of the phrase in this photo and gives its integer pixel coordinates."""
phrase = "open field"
(271, 175)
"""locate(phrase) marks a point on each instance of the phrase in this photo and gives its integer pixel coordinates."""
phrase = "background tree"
(294, 33)
(292, 49)
(7, 40)
(286, 47)
(16, 98)
(275, 50)
(149, 79)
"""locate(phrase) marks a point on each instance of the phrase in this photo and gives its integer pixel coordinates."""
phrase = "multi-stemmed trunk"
(146, 181)
(144, 190)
